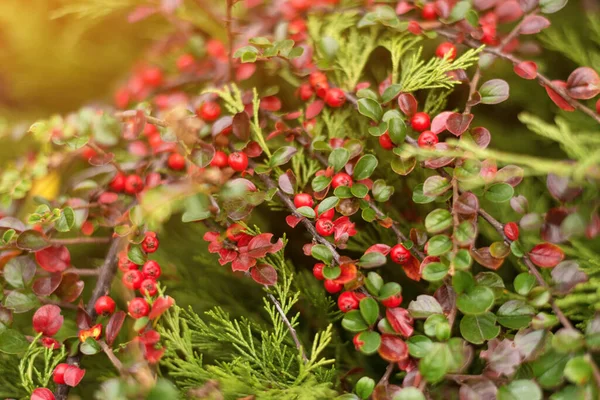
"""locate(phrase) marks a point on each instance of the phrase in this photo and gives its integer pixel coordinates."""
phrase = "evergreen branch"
(289, 326)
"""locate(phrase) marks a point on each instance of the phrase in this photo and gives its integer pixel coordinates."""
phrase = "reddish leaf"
(503, 357)
(488, 170)
(222, 123)
(403, 7)
(270, 103)
(261, 244)
(149, 337)
(546, 255)
(528, 5)
(264, 274)
(152, 354)
(508, 11)
(392, 349)
(418, 236)
(73, 375)
(46, 285)
(593, 228)
(485, 258)
(413, 269)
(458, 123)
(446, 297)
(292, 220)
(245, 71)
(467, 204)
(561, 188)
(241, 126)
(108, 198)
(400, 320)
(82, 318)
(526, 69)
(243, 262)
(314, 109)
(54, 258)
(534, 24)
(70, 287)
(287, 182)
(484, 4)
(550, 231)
(510, 174)
(408, 104)
(114, 326)
(567, 275)
(47, 320)
(558, 99)
(583, 83)
(481, 136)
(348, 274)
(42, 394)
(105, 158)
(439, 162)
(438, 124)
(159, 306)
(379, 248)
(133, 126)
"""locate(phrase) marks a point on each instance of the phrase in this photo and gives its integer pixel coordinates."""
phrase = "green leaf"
(372, 260)
(364, 387)
(397, 130)
(320, 183)
(403, 165)
(462, 260)
(369, 309)
(389, 289)
(354, 322)
(462, 281)
(374, 282)
(391, 92)
(327, 204)
(578, 370)
(515, 314)
(567, 340)
(365, 167)
(65, 221)
(552, 6)
(499, 192)
(523, 283)
(359, 190)
(519, 390)
(248, 54)
(306, 211)
(32, 240)
(459, 11)
(477, 329)
(476, 301)
(419, 346)
(21, 302)
(195, 209)
(282, 155)
(329, 46)
(381, 192)
(494, 91)
(136, 215)
(424, 306)
(19, 271)
(90, 347)
(136, 255)
(435, 271)
(409, 393)
(13, 342)
(343, 192)
(332, 272)
(548, 369)
(370, 108)
(438, 221)
(338, 158)
(435, 364)
(432, 322)
(438, 245)
(436, 186)
(321, 252)
(420, 198)
(371, 342)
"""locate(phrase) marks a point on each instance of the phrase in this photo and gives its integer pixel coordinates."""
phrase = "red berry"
(329, 214)
(150, 130)
(133, 279)
(215, 48)
(385, 141)
(427, 139)
(335, 97)
(318, 271)
(105, 305)
(392, 301)
(305, 92)
(152, 76)
(125, 264)
(138, 308)
(151, 270)
(511, 230)
(324, 227)
(348, 301)
(134, 184)
(332, 287)
(400, 254)
(59, 373)
(185, 62)
(176, 161)
(444, 49)
(420, 121)
(341, 179)
(322, 88)
(303, 200)
(148, 287)
(122, 98)
(238, 161)
(150, 242)
(118, 182)
(209, 111)
(316, 78)
(429, 12)
(219, 160)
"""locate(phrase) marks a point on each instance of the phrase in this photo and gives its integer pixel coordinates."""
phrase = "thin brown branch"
(131, 113)
(229, 28)
(80, 240)
(83, 272)
(472, 90)
(111, 356)
(515, 31)
(287, 323)
(386, 376)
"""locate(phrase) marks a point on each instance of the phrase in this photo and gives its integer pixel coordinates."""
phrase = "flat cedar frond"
(418, 74)
(398, 45)
(436, 101)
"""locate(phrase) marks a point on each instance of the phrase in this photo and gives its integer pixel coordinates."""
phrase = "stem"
(111, 356)
(228, 23)
(80, 240)
(83, 272)
(386, 376)
(289, 326)
(455, 220)
(515, 31)
(472, 90)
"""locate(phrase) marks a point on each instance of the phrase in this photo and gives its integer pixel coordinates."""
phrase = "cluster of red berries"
(318, 84)
(143, 280)
(238, 161)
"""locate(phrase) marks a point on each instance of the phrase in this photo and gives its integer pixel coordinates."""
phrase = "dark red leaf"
(408, 104)
(484, 4)
(526, 69)
(392, 349)
(42, 394)
(82, 318)
(567, 275)
(73, 375)
(292, 220)
(558, 99)
(583, 83)
(287, 182)
(439, 162)
(70, 287)
(438, 124)
(546, 255)
(159, 306)
(413, 269)
(508, 11)
(534, 24)
(46, 285)
(510, 174)
(314, 109)
(114, 326)
(243, 262)
(54, 258)
(261, 244)
(241, 126)
(400, 320)
(561, 188)
(264, 274)
(446, 297)
(221, 124)
(467, 204)
(458, 123)
(379, 248)
(270, 103)
(485, 258)
(48, 320)
(528, 5)
(550, 231)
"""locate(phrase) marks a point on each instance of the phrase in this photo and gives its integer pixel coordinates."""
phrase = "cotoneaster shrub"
(442, 265)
